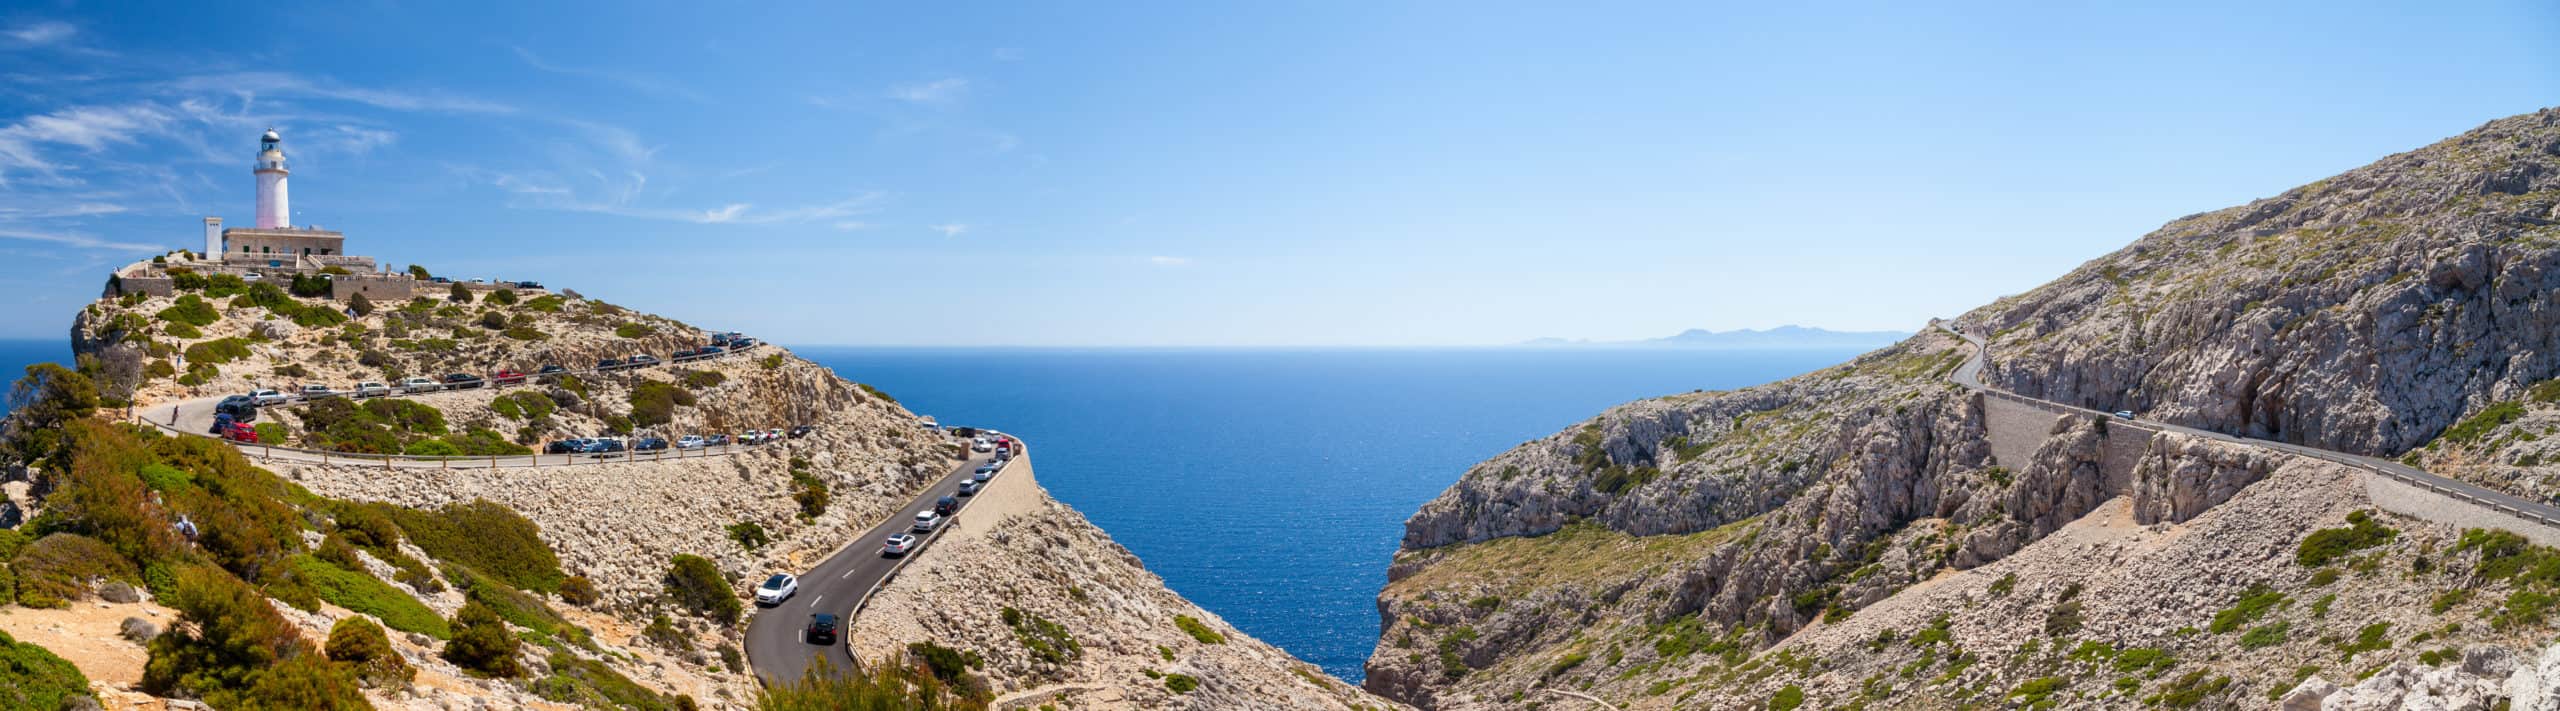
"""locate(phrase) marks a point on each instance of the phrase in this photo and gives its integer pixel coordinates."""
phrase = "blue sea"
(17, 355)
(1272, 486)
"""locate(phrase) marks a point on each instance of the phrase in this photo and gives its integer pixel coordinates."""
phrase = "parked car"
(251, 276)
(372, 389)
(506, 376)
(750, 437)
(719, 339)
(776, 589)
(802, 431)
(706, 352)
(718, 440)
(970, 488)
(897, 544)
(926, 521)
(640, 360)
(566, 446)
(609, 364)
(221, 423)
(238, 432)
(550, 369)
(691, 442)
(773, 435)
(987, 467)
(264, 397)
(649, 444)
(315, 392)
(947, 505)
(239, 407)
(601, 446)
(2124, 414)
(528, 285)
(981, 446)
(822, 629)
(461, 381)
(684, 355)
(741, 343)
(983, 476)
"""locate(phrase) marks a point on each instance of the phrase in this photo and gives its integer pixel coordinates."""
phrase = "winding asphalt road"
(774, 641)
(1969, 375)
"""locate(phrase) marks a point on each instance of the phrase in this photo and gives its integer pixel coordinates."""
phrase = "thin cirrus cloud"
(940, 91)
(74, 239)
(950, 229)
(42, 33)
(1168, 262)
(641, 83)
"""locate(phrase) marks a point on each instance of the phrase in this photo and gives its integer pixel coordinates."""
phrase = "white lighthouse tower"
(273, 212)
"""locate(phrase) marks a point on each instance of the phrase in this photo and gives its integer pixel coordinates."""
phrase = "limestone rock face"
(2181, 476)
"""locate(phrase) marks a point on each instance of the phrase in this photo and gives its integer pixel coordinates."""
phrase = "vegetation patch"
(2253, 604)
(487, 537)
(2490, 418)
(361, 592)
(1198, 630)
(523, 405)
(2329, 544)
(32, 677)
(217, 351)
(695, 585)
(1046, 641)
(191, 310)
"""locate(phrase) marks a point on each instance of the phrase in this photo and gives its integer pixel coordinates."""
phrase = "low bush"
(2254, 603)
(696, 586)
(180, 330)
(2490, 418)
(703, 379)
(749, 535)
(653, 403)
(486, 536)
(217, 351)
(361, 592)
(191, 310)
(1198, 630)
(523, 405)
(885, 684)
(231, 648)
(949, 665)
(481, 644)
(360, 644)
(60, 568)
(592, 684)
(579, 591)
(633, 330)
(1181, 683)
(2330, 544)
(1046, 641)
(503, 297)
(32, 677)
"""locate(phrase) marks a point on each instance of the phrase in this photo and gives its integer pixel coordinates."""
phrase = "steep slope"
(1754, 547)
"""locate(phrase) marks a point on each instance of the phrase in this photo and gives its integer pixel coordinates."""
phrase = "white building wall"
(273, 212)
(212, 238)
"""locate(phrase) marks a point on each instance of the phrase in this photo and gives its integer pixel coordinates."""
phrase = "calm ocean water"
(1271, 486)
(17, 355)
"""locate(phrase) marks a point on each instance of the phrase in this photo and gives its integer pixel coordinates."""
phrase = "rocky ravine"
(1785, 544)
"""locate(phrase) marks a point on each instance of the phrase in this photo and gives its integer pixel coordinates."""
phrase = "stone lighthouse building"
(273, 210)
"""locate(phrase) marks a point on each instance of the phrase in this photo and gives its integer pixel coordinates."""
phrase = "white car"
(982, 446)
(421, 385)
(926, 521)
(898, 544)
(690, 442)
(267, 397)
(372, 389)
(317, 392)
(776, 589)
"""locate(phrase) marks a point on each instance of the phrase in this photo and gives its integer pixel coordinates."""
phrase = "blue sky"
(1297, 173)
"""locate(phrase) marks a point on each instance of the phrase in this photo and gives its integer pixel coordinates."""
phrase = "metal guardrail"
(532, 461)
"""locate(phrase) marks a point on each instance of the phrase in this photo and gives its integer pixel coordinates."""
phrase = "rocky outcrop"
(2364, 313)
(2181, 476)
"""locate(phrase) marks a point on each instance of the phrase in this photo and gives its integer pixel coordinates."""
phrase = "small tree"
(579, 591)
(360, 643)
(459, 294)
(419, 272)
(481, 643)
(503, 297)
(362, 306)
(697, 586)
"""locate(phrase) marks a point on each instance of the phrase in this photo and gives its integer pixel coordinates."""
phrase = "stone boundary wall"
(377, 288)
(2419, 502)
(2017, 428)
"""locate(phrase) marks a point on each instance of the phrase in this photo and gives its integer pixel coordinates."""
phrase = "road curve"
(1969, 375)
(836, 585)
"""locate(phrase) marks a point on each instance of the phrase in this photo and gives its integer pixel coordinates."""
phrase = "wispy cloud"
(851, 225)
(77, 240)
(636, 82)
(941, 91)
(1006, 54)
(1164, 261)
(950, 229)
(89, 128)
(249, 85)
(42, 33)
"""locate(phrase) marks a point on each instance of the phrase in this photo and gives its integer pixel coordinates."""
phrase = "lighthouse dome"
(271, 137)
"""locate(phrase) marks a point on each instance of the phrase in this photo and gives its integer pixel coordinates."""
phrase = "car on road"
(528, 285)
(316, 392)
(718, 440)
(237, 432)
(719, 339)
(649, 444)
(461, 381)
(897, 545)
(239, 407)
(971, 487)
(981, 446)
(983, 476)
(741, 343)
(776, 589)
(709, 351)
(2124, 414)
(926, 521)
(372, 389)
(640, 360)
(506, 376)
(601, 446)
(609, 364)
(822, 629)
(751, 437)
(265, 397)
(947, 505)
(801, 431)
(691, 442)
(420, 385)
(566, 446)
(550, 369)
(773, 435)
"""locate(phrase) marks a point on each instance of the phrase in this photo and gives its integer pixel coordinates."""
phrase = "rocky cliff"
(1848, 538)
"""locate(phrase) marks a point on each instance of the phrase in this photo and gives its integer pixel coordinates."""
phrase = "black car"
(602, 446)
(802, 431)
(741, 343)
(551, 369)
(566, 446)
(719, 339)
(239, 407)
(609, 364)
(641, 361)
(948, 505)
(822, 629)
(461, 381)
(649, 444)
(708, 351)
(528, 285)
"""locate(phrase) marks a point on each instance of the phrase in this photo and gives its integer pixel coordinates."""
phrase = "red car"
(239, 432)
(506, 377)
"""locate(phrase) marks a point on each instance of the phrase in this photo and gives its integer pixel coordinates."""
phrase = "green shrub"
(335, 550)
(772, 362)
(1787, 699)
(217, 351)
(2037, 693)
(359, 304)
(949, 665)
(458, 294)
(875, 392)
(653, 403)
(2373, 637)
(579, 591)
(2253, 604)
(190, 310)
(60, 568)
(503, 297)
(545, 303)
(592, 684)
(2265, 635)
(749, 535)
(230, 647)
(2189, 690)
(1198, 630)
(488, 537)
(662, 632)
(431, 448)
(359, 643)
(361, 592)
(810, 492)
(481, 643)
(2472, 428)
(523, 405)
(633, 330)
(272, 433)
(180, 330)
(32, 677)
(703, 379)
(885, 684)
(167, 479)
(2330, 544)
(696, 586)
(1181, 683)
(517, 607)
(1046, 641)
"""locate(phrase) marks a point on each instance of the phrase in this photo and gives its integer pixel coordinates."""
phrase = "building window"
(324, 251)
(306, 251)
